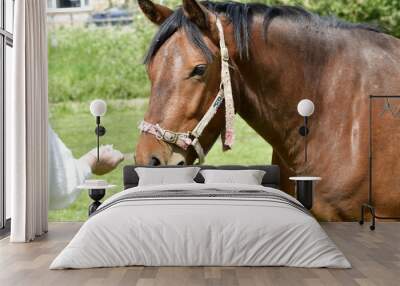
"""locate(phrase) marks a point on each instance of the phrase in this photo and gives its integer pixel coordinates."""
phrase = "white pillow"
(166, 176)
(248, 177)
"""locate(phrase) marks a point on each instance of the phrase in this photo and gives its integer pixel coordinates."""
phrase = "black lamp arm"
(99, 131)
(305, 138)
(303, 130)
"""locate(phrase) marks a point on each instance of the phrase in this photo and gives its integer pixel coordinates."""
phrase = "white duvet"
(203, 231)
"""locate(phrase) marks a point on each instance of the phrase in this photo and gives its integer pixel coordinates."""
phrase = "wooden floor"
(375, 257)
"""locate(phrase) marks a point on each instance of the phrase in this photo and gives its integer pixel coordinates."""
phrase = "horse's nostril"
(154, 161)
(181, 163)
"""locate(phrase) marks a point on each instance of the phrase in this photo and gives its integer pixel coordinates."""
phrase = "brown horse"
(278, 56)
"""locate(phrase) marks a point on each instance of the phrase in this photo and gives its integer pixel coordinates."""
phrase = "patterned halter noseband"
(191, 138)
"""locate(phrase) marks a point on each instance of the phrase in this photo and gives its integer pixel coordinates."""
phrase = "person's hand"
(109, 159)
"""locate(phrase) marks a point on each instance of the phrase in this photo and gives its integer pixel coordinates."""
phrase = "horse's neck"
(282, 70)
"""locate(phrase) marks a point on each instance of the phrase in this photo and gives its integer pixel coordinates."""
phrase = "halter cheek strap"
(184, 140)
(226, 90)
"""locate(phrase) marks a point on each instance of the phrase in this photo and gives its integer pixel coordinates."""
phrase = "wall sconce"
(98, 108)
(305, 108)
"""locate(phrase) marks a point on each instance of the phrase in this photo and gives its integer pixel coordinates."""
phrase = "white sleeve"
(65, 173)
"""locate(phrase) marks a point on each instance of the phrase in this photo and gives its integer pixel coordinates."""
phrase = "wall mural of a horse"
(277, 56)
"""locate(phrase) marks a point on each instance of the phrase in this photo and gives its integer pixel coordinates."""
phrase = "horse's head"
(183, 64)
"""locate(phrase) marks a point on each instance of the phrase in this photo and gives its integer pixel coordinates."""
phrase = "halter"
(191, 138)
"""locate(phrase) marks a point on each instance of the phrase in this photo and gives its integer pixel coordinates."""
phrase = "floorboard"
(375, 257)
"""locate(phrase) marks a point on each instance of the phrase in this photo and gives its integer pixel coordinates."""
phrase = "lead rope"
(225, 92)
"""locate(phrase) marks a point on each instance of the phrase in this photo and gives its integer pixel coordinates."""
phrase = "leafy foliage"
(384, 13)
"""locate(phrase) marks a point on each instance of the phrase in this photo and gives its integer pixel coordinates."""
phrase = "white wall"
(9, 67)
(9, 12)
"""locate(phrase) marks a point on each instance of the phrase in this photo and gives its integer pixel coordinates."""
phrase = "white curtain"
(27, 124)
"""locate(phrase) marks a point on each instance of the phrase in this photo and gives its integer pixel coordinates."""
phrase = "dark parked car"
(112, 16)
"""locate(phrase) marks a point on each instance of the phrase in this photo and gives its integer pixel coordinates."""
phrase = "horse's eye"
(198, 70)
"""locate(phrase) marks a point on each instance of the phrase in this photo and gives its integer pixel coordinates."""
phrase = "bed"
(201, 224)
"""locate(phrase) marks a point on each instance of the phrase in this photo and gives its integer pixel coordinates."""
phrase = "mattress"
(201, 225)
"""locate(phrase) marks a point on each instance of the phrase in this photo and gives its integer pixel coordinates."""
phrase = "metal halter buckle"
(169, 136)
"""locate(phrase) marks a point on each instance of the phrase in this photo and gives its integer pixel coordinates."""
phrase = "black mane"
(241, 16)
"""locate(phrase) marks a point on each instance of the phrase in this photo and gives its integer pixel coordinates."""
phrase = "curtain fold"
(27, 124)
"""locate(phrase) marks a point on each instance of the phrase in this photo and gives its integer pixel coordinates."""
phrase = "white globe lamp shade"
(305, 107)
(98, 107)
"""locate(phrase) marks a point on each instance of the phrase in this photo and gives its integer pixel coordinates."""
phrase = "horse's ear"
(197, 13)
(155, 12)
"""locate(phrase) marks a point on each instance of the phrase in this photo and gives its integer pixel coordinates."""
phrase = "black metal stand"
(372, 210)
(369, 206)
(96, 195)
(304, 193)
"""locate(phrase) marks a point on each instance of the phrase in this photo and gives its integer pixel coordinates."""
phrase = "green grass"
(75, 125)
(88, 63)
